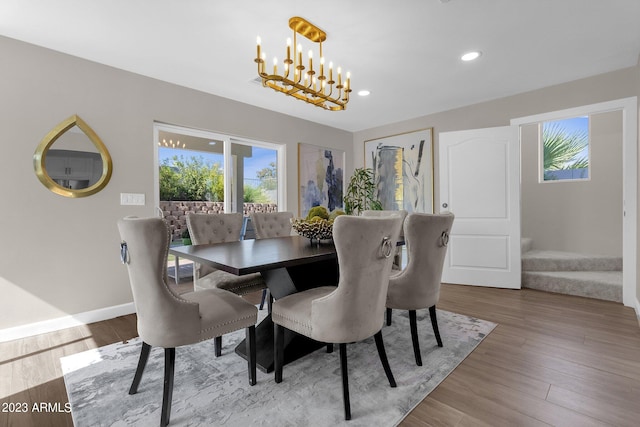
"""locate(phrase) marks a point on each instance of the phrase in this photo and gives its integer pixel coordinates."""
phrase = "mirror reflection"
(73, 161)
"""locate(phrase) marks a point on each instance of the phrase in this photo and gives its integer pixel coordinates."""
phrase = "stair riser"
(587, 264)
(568, 286)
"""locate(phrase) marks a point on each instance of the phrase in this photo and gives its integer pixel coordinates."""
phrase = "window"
(565, 149)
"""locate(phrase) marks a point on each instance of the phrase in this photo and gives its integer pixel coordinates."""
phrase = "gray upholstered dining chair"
(397, 259)
(418, 285)
(218, 228)
(168, 320)
(267, 225)
(354, 310)
(271, 224)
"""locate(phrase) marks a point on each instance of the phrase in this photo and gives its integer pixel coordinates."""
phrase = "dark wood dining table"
(287, 264)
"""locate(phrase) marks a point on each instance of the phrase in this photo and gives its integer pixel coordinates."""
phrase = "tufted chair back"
(212, 228)
(274, 224)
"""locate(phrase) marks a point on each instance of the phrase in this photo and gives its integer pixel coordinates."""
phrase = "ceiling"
(406, 52)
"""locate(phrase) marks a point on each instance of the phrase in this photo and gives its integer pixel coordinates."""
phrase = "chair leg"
(251, 352)
(383, 358)
(269, 302)
(413, 324)
(389, 316)
(329, 348)
(264, 297)
(142, 362)
(217, 346)
(167, 394)
(434, 323)
(345, 381)
(278, 356)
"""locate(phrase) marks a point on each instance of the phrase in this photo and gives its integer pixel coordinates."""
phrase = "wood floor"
(552, 360)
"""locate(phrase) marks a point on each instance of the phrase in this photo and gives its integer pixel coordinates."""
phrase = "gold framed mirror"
(79, 165)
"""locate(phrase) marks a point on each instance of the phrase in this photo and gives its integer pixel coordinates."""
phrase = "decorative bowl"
(317, 229)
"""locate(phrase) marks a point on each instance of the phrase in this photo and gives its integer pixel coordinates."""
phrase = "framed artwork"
(403, 170)
(320, 178)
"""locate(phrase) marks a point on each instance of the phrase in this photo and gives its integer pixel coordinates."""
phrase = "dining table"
(288, 265)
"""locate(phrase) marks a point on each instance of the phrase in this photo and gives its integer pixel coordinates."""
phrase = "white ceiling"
(406, 52)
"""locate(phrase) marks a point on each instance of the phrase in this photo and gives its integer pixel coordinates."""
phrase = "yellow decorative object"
(69, 159)
(312, 86)
(320, 211)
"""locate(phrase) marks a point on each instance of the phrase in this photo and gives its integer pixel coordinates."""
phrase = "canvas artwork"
(403, 170)
(320, 178)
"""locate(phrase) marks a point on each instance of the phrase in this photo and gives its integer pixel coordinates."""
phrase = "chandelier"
(306, 84)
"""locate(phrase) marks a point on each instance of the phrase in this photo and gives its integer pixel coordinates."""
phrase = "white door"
(480, 185)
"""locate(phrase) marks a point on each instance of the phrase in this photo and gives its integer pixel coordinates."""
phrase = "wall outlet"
(136, 199)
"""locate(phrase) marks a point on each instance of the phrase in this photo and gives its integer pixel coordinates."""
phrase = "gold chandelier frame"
(321, 90)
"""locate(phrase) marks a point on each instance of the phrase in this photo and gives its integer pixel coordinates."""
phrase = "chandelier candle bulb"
(258, 41)
(288, 50)
(275, 65)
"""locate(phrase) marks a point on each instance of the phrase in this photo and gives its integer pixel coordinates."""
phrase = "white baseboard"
(85, 318)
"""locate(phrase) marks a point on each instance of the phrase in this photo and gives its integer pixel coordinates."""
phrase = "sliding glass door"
(201, 171)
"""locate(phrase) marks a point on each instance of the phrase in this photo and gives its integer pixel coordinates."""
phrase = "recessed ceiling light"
(364, 93)
(470, 56)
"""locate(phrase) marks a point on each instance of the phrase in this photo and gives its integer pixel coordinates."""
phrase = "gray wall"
(60, 256)
(579, 216)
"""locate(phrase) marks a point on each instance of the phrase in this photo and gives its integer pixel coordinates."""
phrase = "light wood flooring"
(552, 360)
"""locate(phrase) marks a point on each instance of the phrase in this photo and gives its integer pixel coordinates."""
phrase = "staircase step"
(539, 260)
(604, 285)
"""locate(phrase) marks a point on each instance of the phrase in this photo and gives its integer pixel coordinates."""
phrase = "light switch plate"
(136, 199)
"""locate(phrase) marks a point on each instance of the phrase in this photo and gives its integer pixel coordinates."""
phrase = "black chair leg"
(389, 316)
(383, 358)
(167, 395)
(345, 381)
(278, 357)
(269, 302)
(251, 352)
(413, 324)
(142, 362)
(329, 348)
(434, 323)
(264, 298)
(217, 346)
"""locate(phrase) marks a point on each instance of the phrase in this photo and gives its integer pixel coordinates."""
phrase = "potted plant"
(360, 192)
(186, 237)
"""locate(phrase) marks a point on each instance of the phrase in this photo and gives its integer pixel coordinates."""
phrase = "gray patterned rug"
(211, 391)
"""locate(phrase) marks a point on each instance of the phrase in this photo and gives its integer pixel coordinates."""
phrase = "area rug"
(210, 391)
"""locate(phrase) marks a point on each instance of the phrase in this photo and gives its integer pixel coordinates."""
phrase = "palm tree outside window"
(565, 149)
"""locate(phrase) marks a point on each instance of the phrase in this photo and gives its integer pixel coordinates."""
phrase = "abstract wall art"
(320, 178)
(403, 170)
